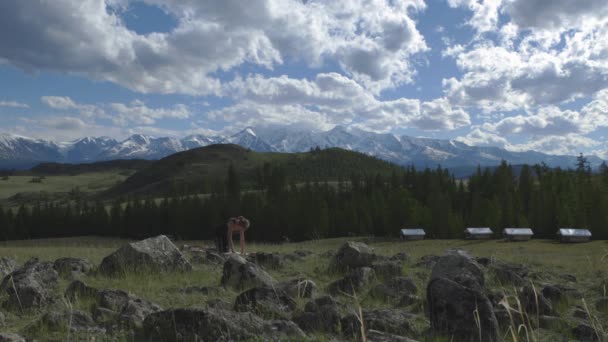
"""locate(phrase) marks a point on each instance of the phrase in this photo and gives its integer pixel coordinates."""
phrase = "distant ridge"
(22, 152)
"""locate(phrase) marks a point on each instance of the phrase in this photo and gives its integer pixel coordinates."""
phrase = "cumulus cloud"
(13, 104)
(555, 13)
(330, 99)
(372, 41)
(64, 123)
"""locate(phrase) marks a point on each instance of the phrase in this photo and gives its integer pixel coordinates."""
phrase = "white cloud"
(59, 102)
(332, 99)
(484, 13)
(65, 123)
(372, 41)
(13, 104)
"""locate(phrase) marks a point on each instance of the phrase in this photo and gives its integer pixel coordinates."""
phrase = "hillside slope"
(200, 169)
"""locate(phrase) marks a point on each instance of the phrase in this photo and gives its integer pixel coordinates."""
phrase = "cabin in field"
(478, 233)
(412, 234)
(517, 234)
(573, 235)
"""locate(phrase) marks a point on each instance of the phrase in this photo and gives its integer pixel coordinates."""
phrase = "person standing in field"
(224, 232)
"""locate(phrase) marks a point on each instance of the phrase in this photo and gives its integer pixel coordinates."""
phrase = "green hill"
(199, 170)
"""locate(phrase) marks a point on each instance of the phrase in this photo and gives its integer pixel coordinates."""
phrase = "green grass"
(52, 185)
(585, 261)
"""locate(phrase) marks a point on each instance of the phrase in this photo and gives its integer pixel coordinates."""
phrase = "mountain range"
(23, 152)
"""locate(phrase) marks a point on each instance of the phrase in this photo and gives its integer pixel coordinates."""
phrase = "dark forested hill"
(205, 169)
(72, 169)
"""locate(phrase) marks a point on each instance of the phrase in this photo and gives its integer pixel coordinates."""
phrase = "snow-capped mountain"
(18, 151)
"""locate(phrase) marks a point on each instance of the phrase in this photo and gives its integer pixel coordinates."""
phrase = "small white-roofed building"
(478, 233)
(573, 235)
(517, 234)
(412, 234)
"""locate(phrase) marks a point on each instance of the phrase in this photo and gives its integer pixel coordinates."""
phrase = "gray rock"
(218, 303)
(394, 288)
(298, 288)
(9, 337)
(131, 310)
(585, 332)
(580, 312)
(387, 268)
(535, 302)
(510, 274)
(77, 290)
(157, 254)
(2, 319)
(240, 274)
(320, 315)
(353, 255)
(393, 321)
(7, 266)
(401, 256)
(192, 324)
(460, 267)
(72, 267)
(452, 306)
(557, 293)
(354, 282)
(265, 302)
(379, 336)
(202, 290)
(54, 321)
(30, 286)
(408, 299)
(267, 260)
(297, 255)
(428, 261)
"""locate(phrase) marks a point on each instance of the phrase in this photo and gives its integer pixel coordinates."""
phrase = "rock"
(484, 261)
(58, 321)
(131, 310)
(510, 274)
(202, 290)
(218, 303)
(298, 288)
(9, 337)
(72, 267)
(297, 255)
(197, 324)
(354, 282)
(353, 255)
(401, 257)
(157, 254)
(568, 277)
(394, 288)
(460, 267)
(2, 319)
(30, 286)
(580, 313)
(602, 305)
(327, 254)
(407, 300)
(103, 315)
(320, 315)
(77, 290)
(557, 293)
(535, 302)
(585, 332)
(387, 269)
(265, 302)
(7, 266)
(240, 274)
(452, 306)
(267, 260)
(391, 321)
(379, 336)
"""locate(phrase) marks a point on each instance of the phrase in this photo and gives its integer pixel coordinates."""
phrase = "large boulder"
(197, 324)
(393, 321)
(320, 315)
(457, 303)
(354, 282)
(239, 273)
(72, 267)
(353, 255)
(265, 302)
(394, 288)
(7, 265)
(30, 286)
(457, 310)
(459, 266)
(267, 260)
(157, 254)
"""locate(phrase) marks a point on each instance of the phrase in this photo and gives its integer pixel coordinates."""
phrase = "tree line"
(538, 197)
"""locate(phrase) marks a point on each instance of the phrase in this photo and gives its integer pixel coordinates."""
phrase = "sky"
(518, 74)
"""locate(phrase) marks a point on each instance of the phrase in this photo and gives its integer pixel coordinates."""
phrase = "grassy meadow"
(549, 260)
